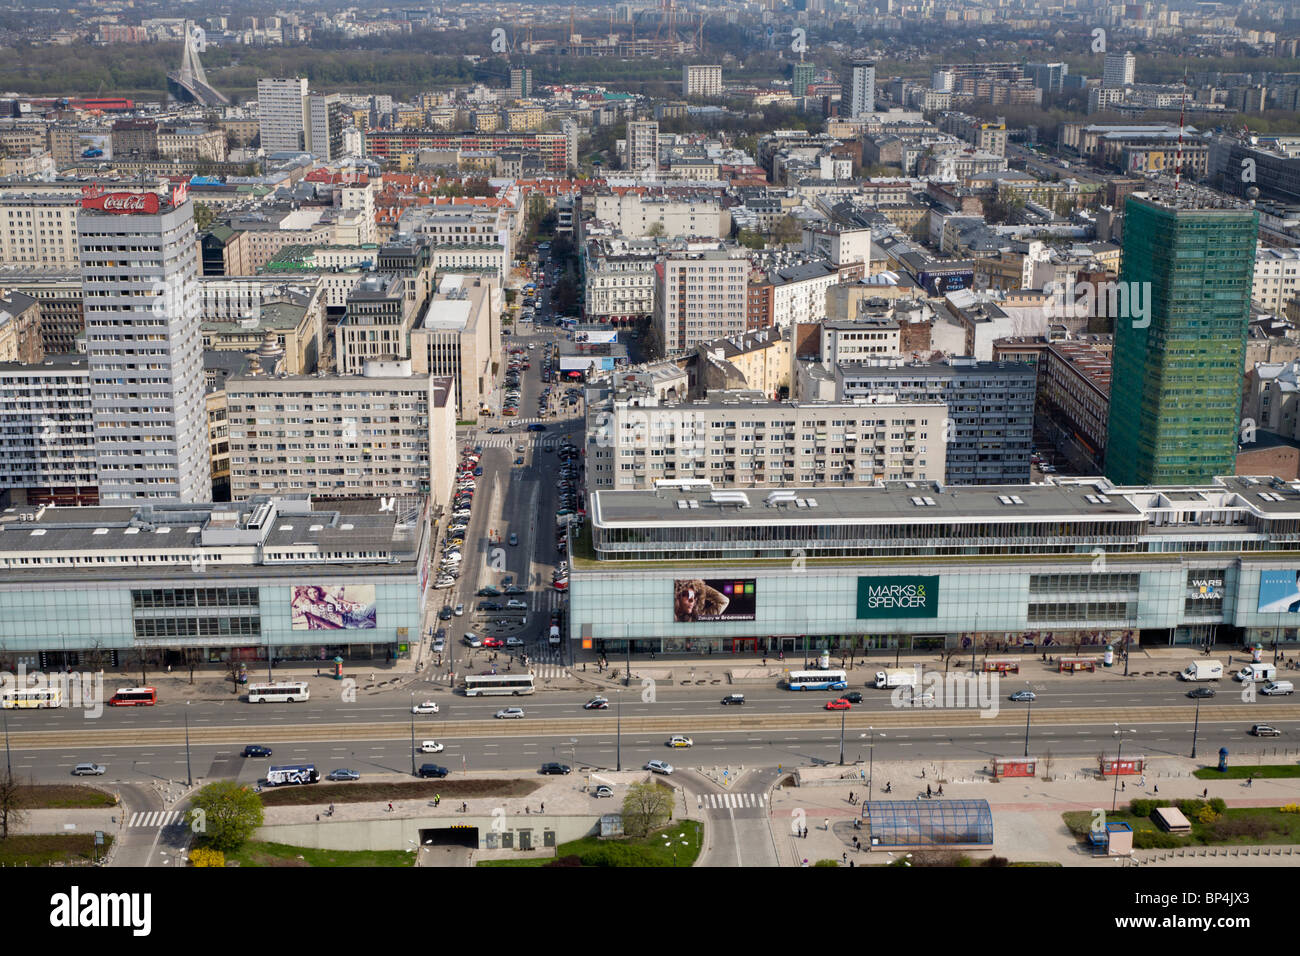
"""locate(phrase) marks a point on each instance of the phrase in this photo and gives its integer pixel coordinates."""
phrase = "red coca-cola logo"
(122, 202)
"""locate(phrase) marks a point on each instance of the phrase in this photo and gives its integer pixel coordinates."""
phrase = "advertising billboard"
(898, 596)
(1279, 592)
(714, 599)
(318, 607)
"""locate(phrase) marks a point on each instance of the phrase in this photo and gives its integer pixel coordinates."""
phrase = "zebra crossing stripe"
(155, 818)
(731, 801)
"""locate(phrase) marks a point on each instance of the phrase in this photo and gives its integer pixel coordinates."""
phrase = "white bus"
(301, 773)
(289, 690)
(485, 685)
(31, 697)
(817, 680)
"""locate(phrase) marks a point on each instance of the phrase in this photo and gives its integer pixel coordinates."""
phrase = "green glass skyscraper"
(801, 76)
(1180, 340)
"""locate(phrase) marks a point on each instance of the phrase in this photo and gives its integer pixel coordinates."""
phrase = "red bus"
(134, 697)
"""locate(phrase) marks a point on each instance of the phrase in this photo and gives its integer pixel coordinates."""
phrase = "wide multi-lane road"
(773, 727)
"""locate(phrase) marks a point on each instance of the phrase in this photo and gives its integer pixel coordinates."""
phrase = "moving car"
(488, 592)
(677, 740)
(1201, 692)
(514, 642)
(343, 775)
(425, 707)
(88, 770)
(1022, 695)
(255, 750)
(734, 699)
(460, 610)
(596, 703)
(514, 538)
(509, 713)
(432, 770)
(840, 704)
(604, 790)
(472, 640)
(556, 769)
(658, 766)
(431, 747)
(516, 604)
(445, 614)
(1265, 730)
(493, 642)
(439, 644)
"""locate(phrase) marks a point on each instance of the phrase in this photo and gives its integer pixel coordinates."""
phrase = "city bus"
(31, 697)
(486, 685)
(293, 691)
(134, 697)
(299, 773)
(817, 680)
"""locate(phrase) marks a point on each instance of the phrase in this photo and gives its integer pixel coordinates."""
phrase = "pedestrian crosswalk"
(156, 819)
(730, 801)
(548, 600)
(549, 672)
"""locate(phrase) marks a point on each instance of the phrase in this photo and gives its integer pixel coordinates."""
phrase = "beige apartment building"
(39, 229)
(384, 432)
(457, 338)
(742, 439)
(700, 296)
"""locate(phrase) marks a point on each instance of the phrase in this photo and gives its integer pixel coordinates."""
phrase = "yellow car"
(680, 741)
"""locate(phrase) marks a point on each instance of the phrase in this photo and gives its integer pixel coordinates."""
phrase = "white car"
(509, 713)
(460, 610)
(514, 642)
(659, 766)
(677, 740)
(426, 707)
(517, 605)
(431, 747)
(472, 640)
(439, 645)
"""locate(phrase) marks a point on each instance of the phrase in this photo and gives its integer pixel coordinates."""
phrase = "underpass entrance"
(461, 834)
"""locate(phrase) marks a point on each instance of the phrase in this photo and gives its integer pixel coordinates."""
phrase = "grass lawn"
(1239, 826)
(281, 854)
(359, 791)
(1241, 773)
(41, 849)
(65, 796)
(654, 850)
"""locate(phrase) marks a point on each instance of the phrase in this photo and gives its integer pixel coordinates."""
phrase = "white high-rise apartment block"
(283, 114)
(863, 88)
(1118, 70)
(139, 275)
(701, 80)
(699, 297)
(642, 150)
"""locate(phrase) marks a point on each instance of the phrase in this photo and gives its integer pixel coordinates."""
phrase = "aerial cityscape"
(892, 407)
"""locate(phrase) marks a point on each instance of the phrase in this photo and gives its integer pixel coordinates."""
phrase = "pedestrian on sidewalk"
(1123, 785)
(845, 856)
(1250, 781)
(390, 808)
(543, 808)
(928, 792)
(850, 798)
(827, 824)
(1157, 788)
(922, 773)
(1205, 794)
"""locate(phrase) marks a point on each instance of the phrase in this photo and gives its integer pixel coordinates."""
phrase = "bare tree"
(12, 810)
(143, 663)
(192, 658)
(1047, 760)
(232, 666)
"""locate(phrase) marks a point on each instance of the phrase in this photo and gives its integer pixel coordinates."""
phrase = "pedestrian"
(826, 824)
(543, 808)
(1123, 785)
(390, 808)
(845, 856)
(922, 773)
(318, 818)
(527, 810)
(850, 797)
(851, 864)
(1157, 788)
(928, 792)
(437, 799)
(1250, 781)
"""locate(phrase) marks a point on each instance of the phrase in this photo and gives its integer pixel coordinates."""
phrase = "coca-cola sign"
(122, 202)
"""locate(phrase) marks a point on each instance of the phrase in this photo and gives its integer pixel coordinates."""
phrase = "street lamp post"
(1196, 727)
(412, 714)
(1114, 800)
(843, 714)
(619, 734)
(9, 765)
(189, 775)
(1027, 715)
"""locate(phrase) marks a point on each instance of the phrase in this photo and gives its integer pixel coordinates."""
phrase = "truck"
(555, 635)
(1202, 670)
(897, 677)
(1257, 672)
(301, 773)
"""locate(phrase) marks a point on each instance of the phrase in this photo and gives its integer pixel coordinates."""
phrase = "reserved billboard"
(899, 596)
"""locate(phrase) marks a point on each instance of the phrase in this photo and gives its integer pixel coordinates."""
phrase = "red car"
(493, 642)
(840, 704)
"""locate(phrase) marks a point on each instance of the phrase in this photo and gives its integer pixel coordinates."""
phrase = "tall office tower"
(1177, 378)
(282, 114)
(521, 83)
(863, 87)
(139, 269)
(642, 149)
(1118, 69)
(801, 77)
(325, 113)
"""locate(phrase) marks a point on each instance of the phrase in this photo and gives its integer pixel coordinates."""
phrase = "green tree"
(750, 239)
(646, 807)
(787, 230)
(203, 216)
(656, 229)
(230, 814)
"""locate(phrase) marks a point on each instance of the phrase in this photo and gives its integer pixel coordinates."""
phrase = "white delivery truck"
(1257, 672)
(1202, 670)
(898, 677)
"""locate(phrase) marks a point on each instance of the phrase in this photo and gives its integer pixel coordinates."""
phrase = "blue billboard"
(1279, 592)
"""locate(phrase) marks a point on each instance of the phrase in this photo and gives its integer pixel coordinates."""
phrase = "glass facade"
(1180, 344)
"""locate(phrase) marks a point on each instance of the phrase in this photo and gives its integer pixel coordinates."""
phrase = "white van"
(1278, 687)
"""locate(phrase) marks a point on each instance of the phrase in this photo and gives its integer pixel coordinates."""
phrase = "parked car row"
(450, 563)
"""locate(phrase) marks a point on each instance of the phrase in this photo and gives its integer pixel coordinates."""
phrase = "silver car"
(88, 770)
(510, 713)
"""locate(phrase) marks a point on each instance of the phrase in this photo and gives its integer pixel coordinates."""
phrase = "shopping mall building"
(685, 569)
(290, 577)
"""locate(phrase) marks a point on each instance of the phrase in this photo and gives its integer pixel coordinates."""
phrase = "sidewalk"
(1027, 824)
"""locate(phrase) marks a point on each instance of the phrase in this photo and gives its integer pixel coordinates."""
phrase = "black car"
(1201, 692)
(445, 614)
(489, 606)
(556, 768)
(853, 697)
(488, 591)
(433, 770)
(734, 699)
(256, 750)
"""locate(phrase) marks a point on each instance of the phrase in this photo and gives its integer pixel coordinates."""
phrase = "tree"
(750, 239)
(203, 216)
(230, 814)
(12, 810)
(193, 656)
(646, 807)
(788, 230)
(1048, 760)
(656, 230)
(232, 666)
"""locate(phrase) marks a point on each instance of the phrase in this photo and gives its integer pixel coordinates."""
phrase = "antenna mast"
(1182, 112)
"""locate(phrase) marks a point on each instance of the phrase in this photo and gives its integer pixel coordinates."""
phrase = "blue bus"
(817, 680)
